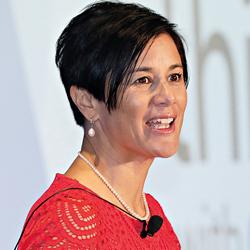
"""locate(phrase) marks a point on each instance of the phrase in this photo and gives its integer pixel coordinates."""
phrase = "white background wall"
(204, 189)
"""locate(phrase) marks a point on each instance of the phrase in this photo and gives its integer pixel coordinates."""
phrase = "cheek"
(133, 113)
(134, 106)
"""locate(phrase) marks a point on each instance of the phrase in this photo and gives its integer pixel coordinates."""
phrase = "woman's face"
(149, 119)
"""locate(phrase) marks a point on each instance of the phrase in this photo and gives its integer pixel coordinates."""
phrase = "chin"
(166, 155)
(167, 151)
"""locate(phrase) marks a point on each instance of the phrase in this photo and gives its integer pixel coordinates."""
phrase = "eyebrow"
(149, 69)
(174, 66)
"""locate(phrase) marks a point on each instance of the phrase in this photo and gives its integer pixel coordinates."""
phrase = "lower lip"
(169, 130)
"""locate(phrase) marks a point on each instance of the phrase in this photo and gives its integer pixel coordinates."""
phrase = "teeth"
(161, 121)
(160, 126)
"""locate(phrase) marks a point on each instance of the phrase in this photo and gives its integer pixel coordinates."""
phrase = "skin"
(124, 146)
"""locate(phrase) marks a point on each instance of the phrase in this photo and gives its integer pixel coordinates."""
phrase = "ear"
(85, 102)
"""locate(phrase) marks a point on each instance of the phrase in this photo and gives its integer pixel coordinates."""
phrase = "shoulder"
(156, 208)
(167, 227)
(67, 219)
(154, 204)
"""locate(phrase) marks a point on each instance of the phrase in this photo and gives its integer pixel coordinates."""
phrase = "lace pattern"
(76, 219)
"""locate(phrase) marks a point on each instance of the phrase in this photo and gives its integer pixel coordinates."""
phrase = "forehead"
(160, 49)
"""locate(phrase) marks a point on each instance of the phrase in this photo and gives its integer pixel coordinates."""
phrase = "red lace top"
(78, 219)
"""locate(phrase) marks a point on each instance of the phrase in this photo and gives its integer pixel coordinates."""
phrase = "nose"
(164, 95)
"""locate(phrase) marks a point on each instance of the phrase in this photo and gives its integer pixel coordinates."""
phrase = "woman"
(125, 74)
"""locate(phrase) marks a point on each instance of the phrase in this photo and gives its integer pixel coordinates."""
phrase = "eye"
(176, 77)
(143, 80)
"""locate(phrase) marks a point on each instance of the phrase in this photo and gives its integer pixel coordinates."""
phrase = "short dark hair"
(102, 44)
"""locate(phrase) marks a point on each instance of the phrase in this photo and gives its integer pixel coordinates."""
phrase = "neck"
(125, 173)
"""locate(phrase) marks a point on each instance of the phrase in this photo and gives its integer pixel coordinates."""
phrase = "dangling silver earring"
(91, 131)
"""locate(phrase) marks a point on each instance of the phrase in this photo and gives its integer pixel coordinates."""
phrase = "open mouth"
(161, 123)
